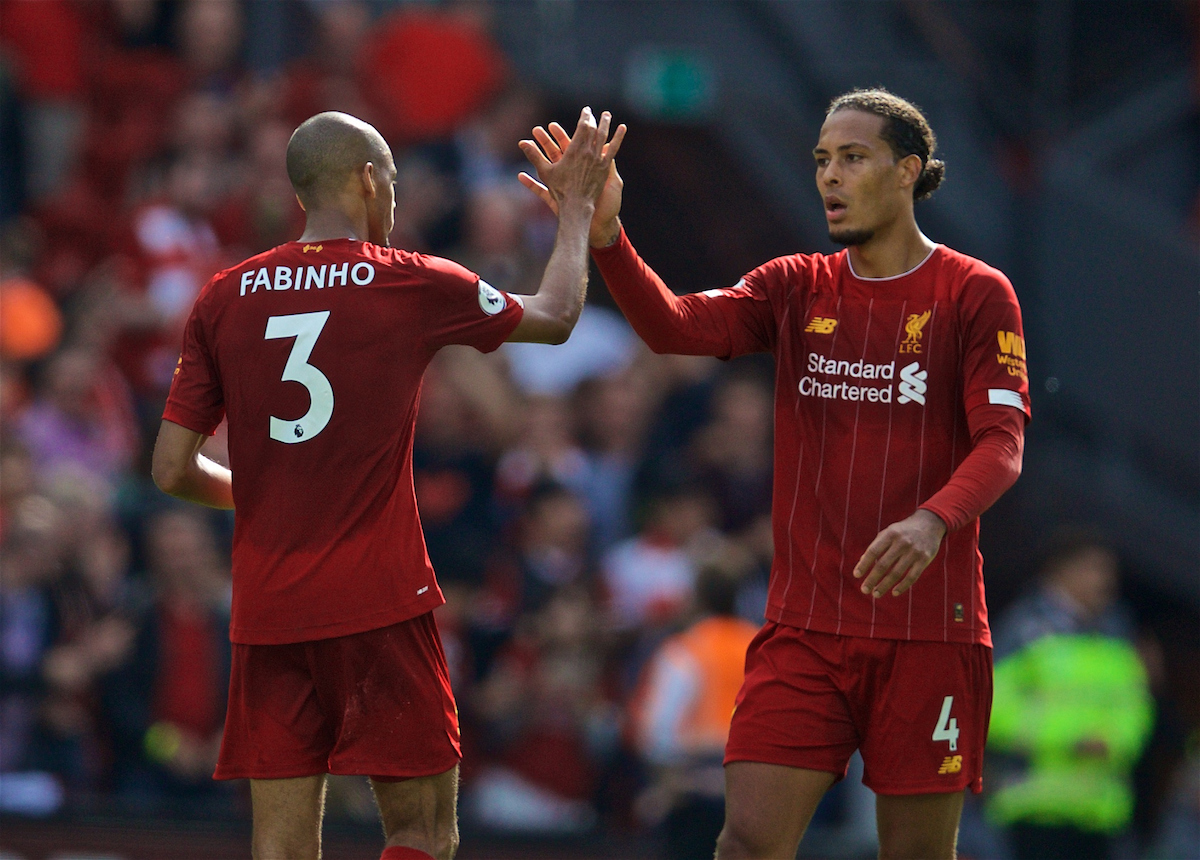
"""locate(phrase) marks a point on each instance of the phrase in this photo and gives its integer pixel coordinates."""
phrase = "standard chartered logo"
(823, 381)
(912, 384)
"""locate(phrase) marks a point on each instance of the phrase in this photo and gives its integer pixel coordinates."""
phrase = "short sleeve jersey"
(316, 352)
(875, 379)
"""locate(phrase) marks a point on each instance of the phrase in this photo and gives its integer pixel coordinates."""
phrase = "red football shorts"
(918, 711)
(375, 703)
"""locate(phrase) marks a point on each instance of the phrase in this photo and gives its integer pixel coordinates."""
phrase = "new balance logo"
(821, 325)
(912, 384)
(950, 764)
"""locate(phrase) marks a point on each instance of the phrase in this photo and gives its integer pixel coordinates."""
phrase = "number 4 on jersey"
(305, 328)
(947, 726)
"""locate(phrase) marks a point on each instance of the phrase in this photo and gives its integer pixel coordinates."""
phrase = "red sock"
(403, 852)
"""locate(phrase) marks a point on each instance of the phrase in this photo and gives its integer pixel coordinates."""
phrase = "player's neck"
(892, 252)
(323, 225)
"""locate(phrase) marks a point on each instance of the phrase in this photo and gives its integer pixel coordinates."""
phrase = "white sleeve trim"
(1005, 397)
(724, 291)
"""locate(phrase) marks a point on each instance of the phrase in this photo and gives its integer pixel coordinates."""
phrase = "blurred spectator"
(178, 251)
(494, 239)
(30, 562)
(204, 123)
(1072, 708)
(135, 86)
(546, 450)
(601, 344)
(440, 183)
(682, 713)
(488, 152)
(650, 577)
(612, 413)
(262, 212)
(94, 603)
(142, 23)
(166, 704)
(210, 41)
(328, 77)
(18, 480)
(45, 40)
(467, 411)
(552, 545)
(546, 553)
(1179, 832)
(688, 383)
(80, 421)
(733, 451)
(757, 540)
(427, 204)
(545, 724)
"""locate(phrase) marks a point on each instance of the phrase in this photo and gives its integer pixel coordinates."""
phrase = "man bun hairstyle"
(905, 129)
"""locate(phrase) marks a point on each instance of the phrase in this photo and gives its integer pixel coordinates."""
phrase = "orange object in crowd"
(30, 323)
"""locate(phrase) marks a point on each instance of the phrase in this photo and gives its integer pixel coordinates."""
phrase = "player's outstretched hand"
(547, 149)
(899, 554)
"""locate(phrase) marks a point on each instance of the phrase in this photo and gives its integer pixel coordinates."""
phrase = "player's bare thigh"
(767, 809)
(421, 812)
(287, 817)
(918, 826)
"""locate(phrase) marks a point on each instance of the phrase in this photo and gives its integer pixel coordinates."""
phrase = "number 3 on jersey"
(947, 726)
(306, 328)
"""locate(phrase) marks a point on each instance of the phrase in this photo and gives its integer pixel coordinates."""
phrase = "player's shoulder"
(807, 271)
(261, 260)
(971, 276)
(224, 284)
(430, 266)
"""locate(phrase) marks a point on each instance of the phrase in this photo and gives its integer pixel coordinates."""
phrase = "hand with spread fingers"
(547, 151)
(899, 554)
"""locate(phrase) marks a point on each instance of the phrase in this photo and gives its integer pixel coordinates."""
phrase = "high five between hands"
(900, 553)
(550, 153)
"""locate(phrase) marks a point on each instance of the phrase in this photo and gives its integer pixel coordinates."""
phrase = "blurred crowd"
(598, 516)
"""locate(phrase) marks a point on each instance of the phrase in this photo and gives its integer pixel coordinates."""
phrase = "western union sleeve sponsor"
(1011, 343)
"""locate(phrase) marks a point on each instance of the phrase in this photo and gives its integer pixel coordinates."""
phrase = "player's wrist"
(932, 520)
(606, 235)
(575, 207)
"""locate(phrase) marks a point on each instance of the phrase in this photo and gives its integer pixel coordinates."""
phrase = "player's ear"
(301, 202)
(910, 168)
(368, 179)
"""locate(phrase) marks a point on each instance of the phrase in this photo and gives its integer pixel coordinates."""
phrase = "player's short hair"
(326, 148)
(905, 129)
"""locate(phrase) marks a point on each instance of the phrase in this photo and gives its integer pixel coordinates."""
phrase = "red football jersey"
(874, 381)
(316, 353)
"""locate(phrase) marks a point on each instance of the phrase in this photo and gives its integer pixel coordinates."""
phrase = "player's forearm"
(202, 481)
(658, 316)
(559, 299)
(985, 474)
